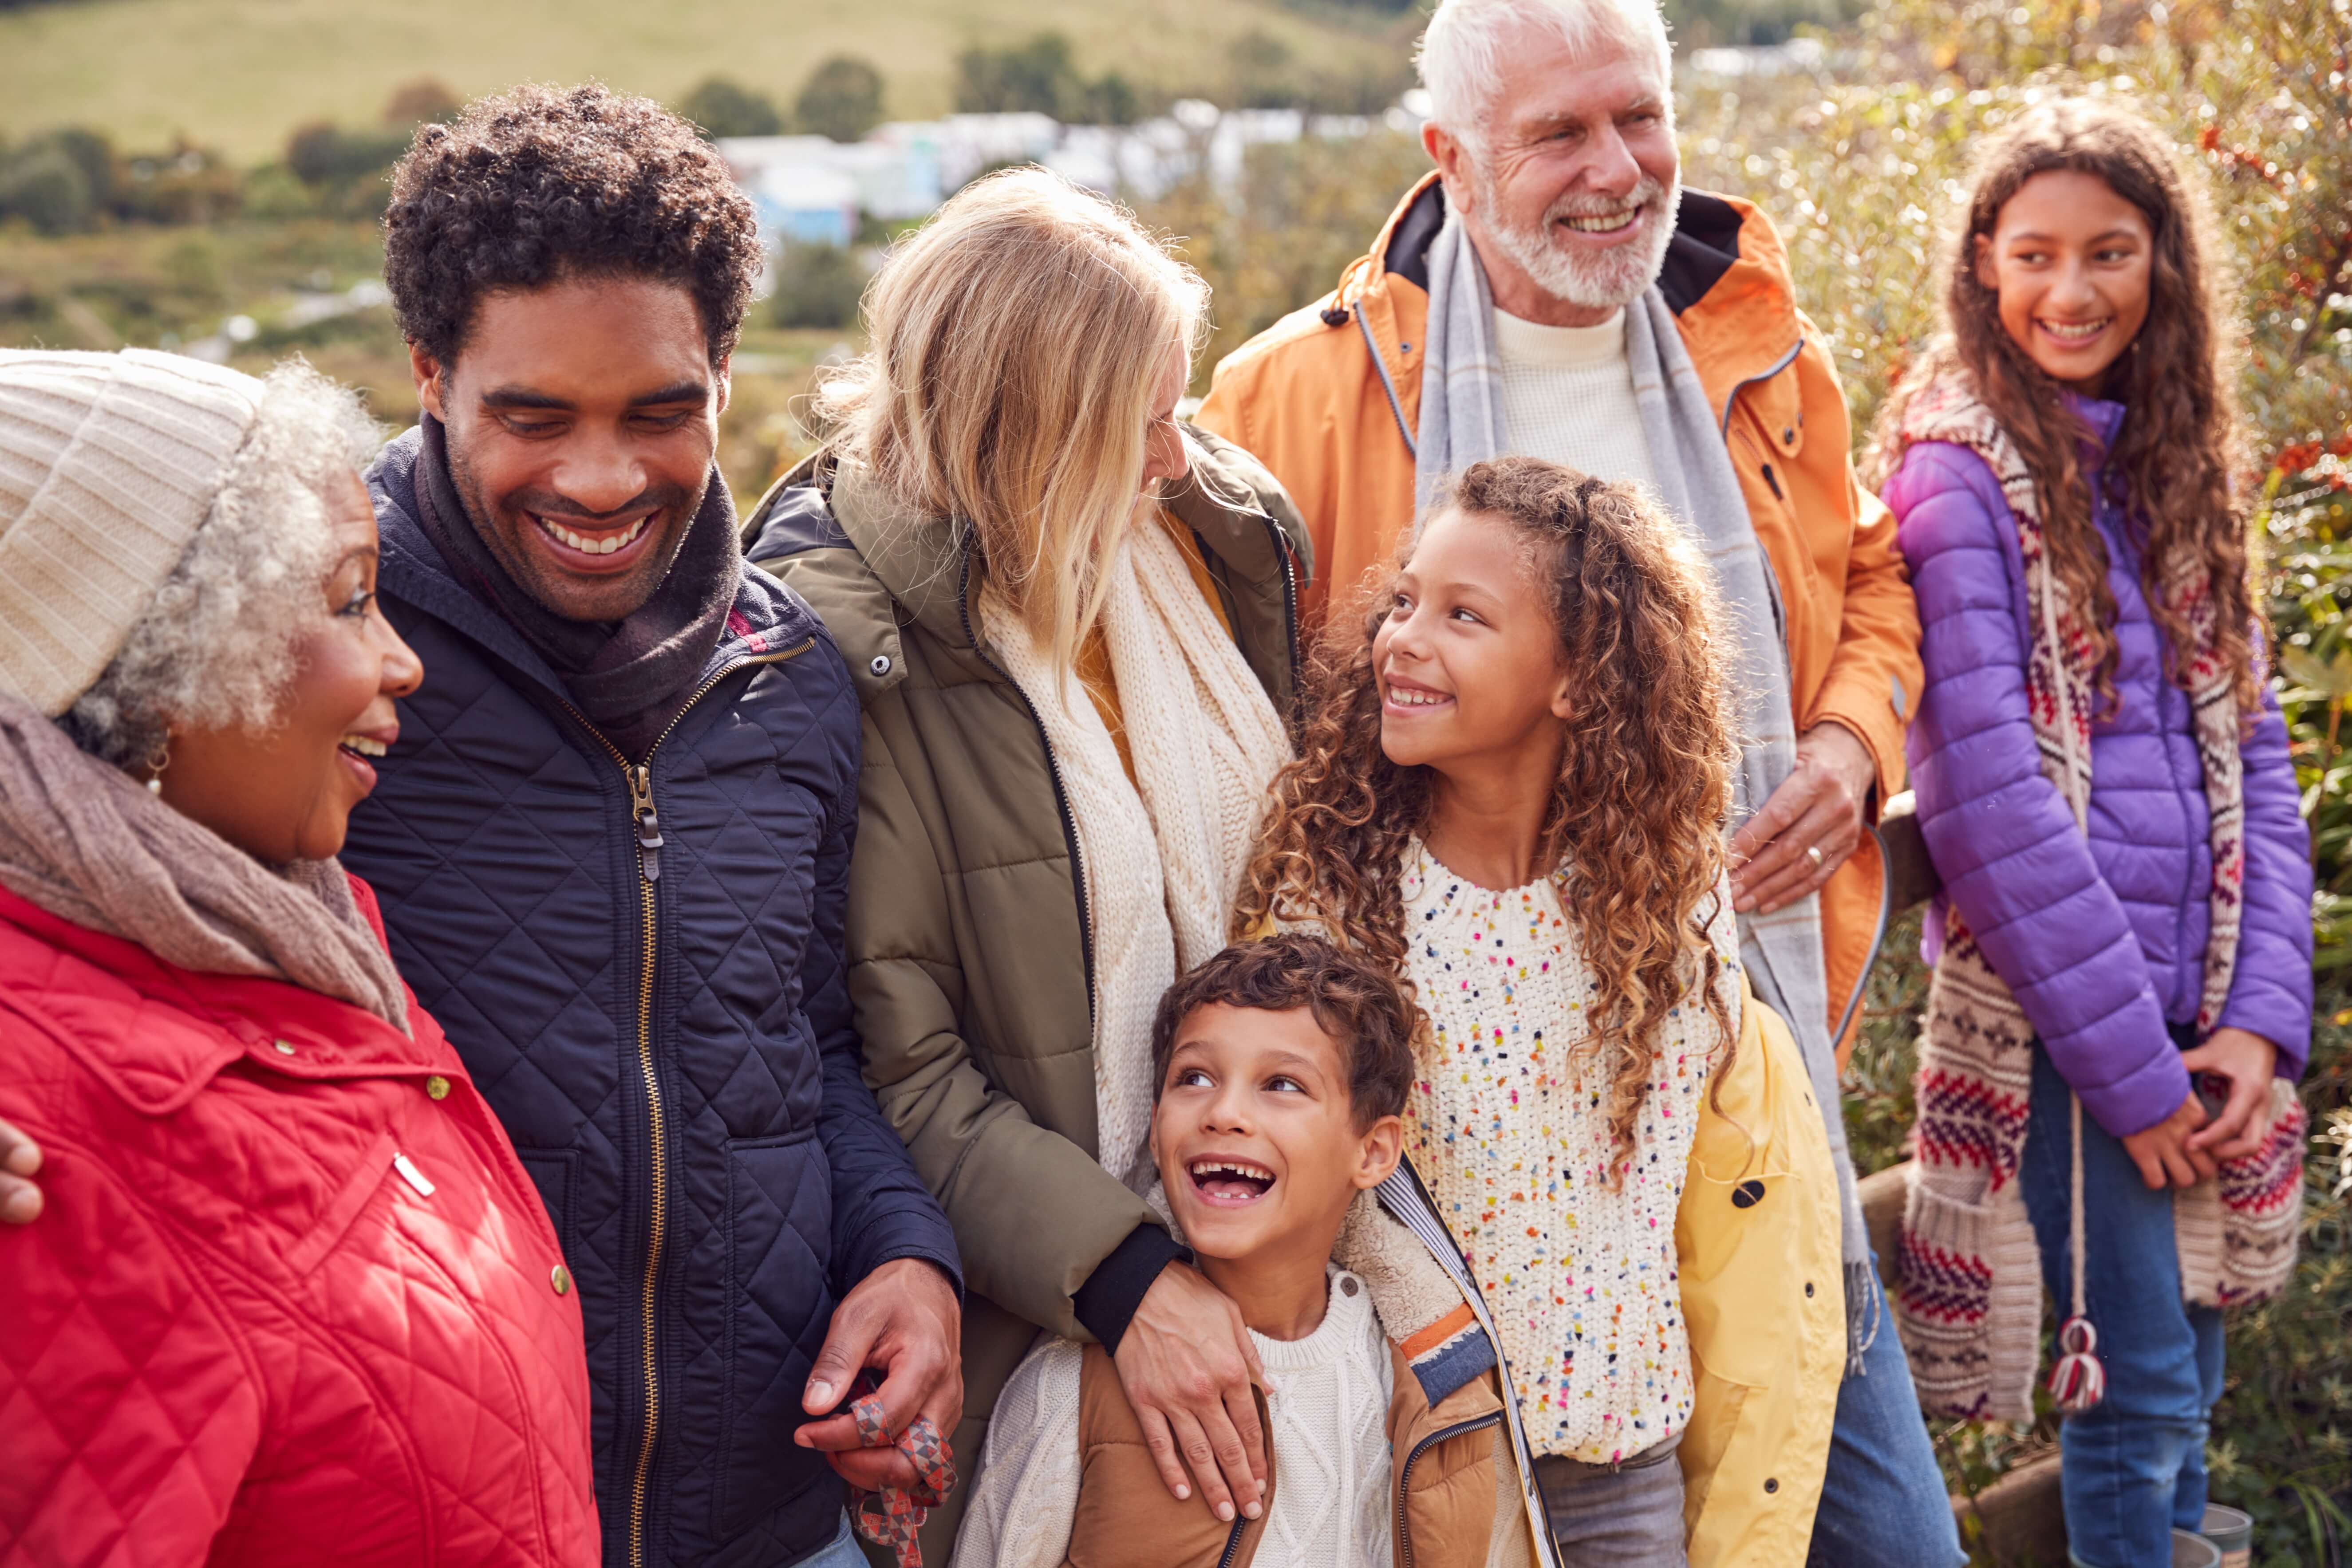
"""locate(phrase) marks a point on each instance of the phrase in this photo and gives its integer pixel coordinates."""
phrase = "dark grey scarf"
(630, 677)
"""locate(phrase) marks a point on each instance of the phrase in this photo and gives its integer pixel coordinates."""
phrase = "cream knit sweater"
(1510, 1132)
(1568, 397)
(1329, 1406)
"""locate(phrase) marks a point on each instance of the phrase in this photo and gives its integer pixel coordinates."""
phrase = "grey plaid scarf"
(1462, 424)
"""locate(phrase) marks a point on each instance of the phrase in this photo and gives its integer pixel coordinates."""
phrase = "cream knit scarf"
(83, 841)
(1970, 1301)
(1162, 856)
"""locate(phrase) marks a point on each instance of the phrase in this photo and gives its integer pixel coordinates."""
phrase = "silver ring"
(1813, 853)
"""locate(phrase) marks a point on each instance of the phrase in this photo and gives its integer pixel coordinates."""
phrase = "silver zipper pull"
(641, 809)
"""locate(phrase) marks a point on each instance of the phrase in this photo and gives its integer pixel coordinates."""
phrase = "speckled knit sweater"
(1510, 1133)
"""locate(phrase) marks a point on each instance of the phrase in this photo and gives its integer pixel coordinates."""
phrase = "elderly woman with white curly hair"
(282, 1252)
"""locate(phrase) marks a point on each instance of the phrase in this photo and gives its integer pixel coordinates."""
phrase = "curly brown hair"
(1634, 824)
(1356, 1001)
(2177, 451)
(539, 183)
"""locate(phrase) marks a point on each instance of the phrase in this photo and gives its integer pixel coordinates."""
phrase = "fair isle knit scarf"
(1162, 855)
(1462, 424)
(1969, 1304)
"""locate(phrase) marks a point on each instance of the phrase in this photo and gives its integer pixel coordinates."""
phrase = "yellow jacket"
(1764, 1302)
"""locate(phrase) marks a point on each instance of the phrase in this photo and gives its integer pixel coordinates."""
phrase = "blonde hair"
(1018, 340)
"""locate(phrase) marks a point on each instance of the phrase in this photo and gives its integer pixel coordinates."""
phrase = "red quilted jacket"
(292, 1299)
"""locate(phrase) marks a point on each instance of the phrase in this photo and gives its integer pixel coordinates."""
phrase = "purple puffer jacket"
(2103, 940)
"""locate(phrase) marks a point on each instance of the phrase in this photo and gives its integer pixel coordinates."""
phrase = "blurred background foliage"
(1854, 138)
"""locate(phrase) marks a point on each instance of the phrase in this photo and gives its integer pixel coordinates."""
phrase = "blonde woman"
(1070, 618)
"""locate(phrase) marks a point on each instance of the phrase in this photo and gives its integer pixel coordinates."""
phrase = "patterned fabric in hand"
(1970, 1297)
(893, 1518)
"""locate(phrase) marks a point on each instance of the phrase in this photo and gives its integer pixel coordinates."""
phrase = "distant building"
(812, 190)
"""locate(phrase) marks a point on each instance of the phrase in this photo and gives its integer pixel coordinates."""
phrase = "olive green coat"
(968, 942)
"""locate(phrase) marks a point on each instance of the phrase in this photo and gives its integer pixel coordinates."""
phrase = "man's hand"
(20, 1159)
(904, 1321)
(1187, 1364)
(1818, 807)
(2165, 1153)
(2249, 1061)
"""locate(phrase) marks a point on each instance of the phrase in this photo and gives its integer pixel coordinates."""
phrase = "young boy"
(1281, 1069)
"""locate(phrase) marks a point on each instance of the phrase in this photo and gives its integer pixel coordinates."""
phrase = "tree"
(817, 286)
(722, 108)
(1036, 75)
(420, 101)
(842, 100)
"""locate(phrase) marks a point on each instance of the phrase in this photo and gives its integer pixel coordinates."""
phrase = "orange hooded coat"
(1330, 396)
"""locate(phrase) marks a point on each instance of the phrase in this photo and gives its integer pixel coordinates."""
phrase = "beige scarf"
(1161, 856)
(83, 841)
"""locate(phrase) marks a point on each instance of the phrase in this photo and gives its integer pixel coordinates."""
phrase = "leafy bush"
(69, 180)
(1041, 75)
(722, 108)
(841, 99)
(48, 189)
(346, 169)
(817, 286)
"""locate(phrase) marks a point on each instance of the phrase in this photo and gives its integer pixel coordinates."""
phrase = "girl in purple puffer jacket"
(2123, 986)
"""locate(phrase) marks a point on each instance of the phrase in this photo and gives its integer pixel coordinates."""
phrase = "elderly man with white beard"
(1550, 290)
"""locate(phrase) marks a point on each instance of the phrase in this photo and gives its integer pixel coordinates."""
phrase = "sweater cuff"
(1107, 1302)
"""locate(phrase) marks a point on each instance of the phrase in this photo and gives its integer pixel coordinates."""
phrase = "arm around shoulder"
(1033, 1214)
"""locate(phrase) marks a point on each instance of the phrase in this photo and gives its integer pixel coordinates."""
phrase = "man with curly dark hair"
(612, 843)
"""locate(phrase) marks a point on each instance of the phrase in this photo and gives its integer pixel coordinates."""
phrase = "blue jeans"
(1883, 1499)
(842, 1552)
(2133, 1467)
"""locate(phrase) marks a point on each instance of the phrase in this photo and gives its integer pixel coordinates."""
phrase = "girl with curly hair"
(2103, 785)
(1511, 786)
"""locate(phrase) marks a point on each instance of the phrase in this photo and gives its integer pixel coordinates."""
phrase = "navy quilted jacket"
(665, 1032)
(2102, 938)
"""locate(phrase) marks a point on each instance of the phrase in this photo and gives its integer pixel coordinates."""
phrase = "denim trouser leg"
(1882, 1497)
(2134, 1466)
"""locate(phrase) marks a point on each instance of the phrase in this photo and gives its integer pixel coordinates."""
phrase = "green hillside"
(239, 74)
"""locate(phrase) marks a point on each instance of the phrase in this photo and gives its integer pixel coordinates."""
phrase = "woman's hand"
(2249, 1061)
(904, 1321)
(1187, 1364)
(2165, 1153)
(20, 1160)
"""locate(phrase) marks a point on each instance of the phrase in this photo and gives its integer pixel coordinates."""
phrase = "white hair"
(1461, 55)
(212, 648)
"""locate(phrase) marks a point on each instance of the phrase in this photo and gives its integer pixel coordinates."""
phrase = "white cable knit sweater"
(1513, 1142)
(1568, 396)
(1329, 1406)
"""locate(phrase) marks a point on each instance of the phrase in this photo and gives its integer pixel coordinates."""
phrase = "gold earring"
(158, 760)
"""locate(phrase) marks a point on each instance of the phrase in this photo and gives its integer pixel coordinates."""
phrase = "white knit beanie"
(109, 463)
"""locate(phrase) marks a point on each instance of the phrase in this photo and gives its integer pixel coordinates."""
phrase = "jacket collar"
(922, 562)
(158, 1034)
(2103, 417)
(765, 618)
(1726, 278)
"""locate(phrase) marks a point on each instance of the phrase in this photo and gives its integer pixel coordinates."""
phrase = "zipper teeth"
(1405, 1474)
(656, 1225)
(1061, 795)
(658, 1221)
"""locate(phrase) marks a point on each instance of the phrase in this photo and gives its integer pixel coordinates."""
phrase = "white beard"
(1604, 280)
